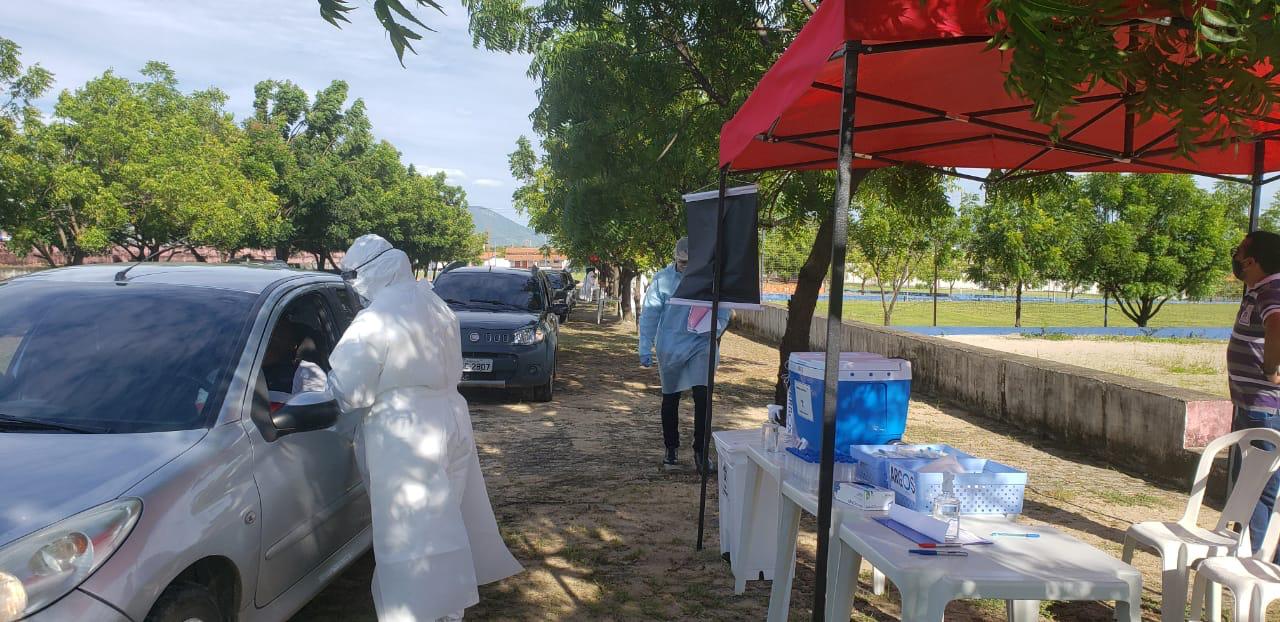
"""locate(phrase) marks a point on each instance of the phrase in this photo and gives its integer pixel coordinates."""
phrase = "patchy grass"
(1049, 336)
(1129, 500)
(1059, 336)
(1179, 364)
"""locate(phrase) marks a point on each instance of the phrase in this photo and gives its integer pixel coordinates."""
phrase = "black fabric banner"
(740, 281)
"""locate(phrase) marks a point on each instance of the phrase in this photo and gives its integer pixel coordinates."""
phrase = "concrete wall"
(1151, 428)
(9, 272)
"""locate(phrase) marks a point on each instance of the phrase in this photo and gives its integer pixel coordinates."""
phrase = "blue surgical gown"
(682, 354)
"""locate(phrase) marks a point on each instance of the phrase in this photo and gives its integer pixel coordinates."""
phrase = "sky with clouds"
(452, 107)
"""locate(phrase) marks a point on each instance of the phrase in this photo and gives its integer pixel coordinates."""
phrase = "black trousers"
(671, 418)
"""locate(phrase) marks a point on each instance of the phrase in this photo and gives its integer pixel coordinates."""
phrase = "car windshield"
(489, 291)
(103, 358)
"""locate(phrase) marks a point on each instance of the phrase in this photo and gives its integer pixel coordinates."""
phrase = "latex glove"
(646, 360)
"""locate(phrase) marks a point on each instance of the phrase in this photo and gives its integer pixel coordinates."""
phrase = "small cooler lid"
(853, 366)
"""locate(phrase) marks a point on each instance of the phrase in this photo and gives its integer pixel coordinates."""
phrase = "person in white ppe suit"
(435, 538)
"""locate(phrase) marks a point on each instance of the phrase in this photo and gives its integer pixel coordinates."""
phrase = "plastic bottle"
(946, 507)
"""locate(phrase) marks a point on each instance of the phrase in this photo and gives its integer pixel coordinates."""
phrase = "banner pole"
(713, 350)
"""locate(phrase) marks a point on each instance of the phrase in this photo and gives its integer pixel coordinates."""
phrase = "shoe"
(672, 461)
(697, 461)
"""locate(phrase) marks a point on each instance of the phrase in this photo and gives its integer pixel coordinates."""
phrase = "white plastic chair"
(1184, 543)
(1254, 581)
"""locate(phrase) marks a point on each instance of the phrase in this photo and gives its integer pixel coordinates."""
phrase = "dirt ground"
(605, 534)
(1191, 364)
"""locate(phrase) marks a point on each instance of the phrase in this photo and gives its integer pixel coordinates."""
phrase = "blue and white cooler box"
(871, 400)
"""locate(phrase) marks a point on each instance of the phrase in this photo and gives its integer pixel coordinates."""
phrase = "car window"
(556, 279)
(140, 358)
(347, 308)
(301, 336)
(490, 291)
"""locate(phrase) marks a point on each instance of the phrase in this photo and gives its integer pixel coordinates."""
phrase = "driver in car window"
(293, 362)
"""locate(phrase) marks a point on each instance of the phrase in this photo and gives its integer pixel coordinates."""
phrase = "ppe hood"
(49, 477)
(377, 265)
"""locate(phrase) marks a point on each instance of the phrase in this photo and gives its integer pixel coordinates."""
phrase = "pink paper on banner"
(699, 320)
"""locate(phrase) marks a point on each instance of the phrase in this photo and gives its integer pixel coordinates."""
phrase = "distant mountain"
(502, 230)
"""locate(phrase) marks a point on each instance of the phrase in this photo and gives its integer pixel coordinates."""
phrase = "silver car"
(157, 466)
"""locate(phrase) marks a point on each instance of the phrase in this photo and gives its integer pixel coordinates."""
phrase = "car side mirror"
(306, 412)
(559, 308)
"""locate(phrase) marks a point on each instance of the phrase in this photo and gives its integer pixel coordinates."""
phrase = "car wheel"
(547, 391)
(186, 602)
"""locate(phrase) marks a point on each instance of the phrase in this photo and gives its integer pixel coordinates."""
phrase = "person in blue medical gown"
(681, 335)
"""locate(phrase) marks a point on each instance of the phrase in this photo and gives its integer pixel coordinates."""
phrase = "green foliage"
(140, 165)
(1209, 69)
(335, 11)
(1023, 235)
(631, 100)
(1151, 238)
(428, 220)
(321, 159)
(903, 223)
(148, 168)
(786, 249)
(18, 86)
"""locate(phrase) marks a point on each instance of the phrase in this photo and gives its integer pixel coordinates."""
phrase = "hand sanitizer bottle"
(947, 507)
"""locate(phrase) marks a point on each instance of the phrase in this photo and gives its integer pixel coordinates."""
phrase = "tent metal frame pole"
(1255, 183)
(713, 352)
(835, 297)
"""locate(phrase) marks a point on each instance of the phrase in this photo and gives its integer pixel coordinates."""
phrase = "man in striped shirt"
(1253, 354)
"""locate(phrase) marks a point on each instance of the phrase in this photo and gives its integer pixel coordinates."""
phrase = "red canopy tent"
(929, 92)
(873, 83)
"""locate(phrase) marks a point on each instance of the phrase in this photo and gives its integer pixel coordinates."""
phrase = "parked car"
(510, 327)
(148, 474)
(562, 290)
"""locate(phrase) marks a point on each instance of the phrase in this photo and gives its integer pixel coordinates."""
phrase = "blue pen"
(1005, 534)
(940, 552)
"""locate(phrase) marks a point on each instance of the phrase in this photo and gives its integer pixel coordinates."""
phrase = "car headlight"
(40, 568)
(528, 336)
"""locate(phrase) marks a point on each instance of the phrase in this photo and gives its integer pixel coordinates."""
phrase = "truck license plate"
(477, 365)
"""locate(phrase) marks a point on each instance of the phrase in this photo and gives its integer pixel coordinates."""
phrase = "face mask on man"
(1237, 268)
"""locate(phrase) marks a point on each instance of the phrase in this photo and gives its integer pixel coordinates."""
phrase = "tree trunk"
(862, 289)
(1017, 307)
(805, 299)
(282, 252)
(624, 291)
(800, 307)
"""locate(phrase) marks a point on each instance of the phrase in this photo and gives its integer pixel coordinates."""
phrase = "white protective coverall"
(435, 538)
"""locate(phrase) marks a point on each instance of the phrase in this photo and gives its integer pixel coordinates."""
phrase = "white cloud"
(490, 183)
(453, 174)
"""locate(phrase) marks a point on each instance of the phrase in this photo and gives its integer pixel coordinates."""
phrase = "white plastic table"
(791, 502)
(762, 476)
(1023, 571)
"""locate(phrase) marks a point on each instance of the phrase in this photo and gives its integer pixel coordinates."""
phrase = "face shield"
(682, 254)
